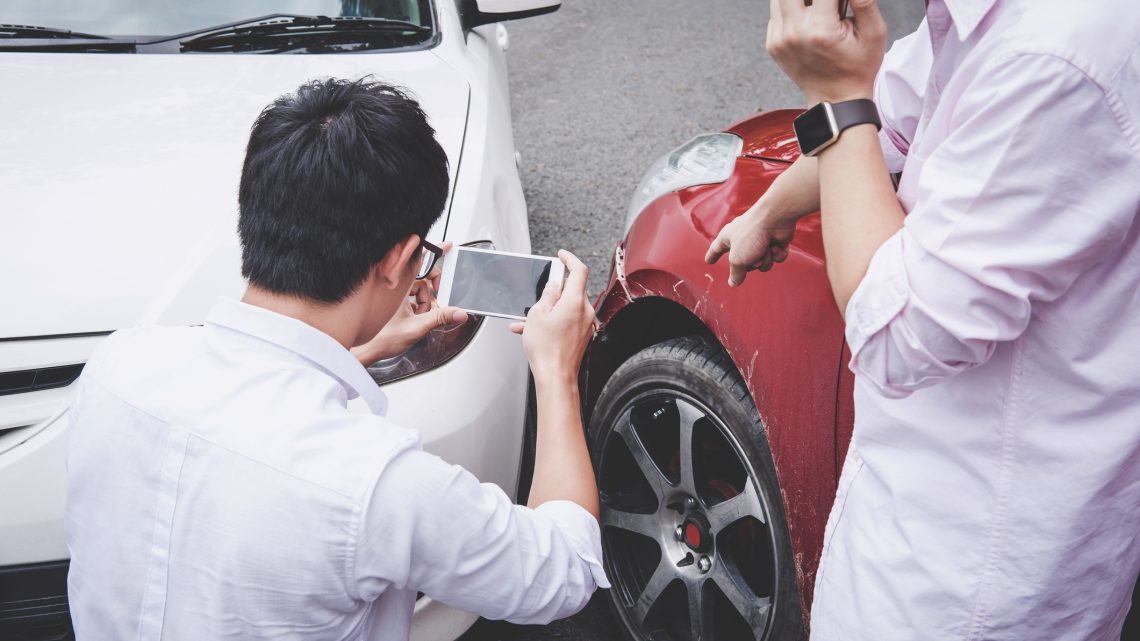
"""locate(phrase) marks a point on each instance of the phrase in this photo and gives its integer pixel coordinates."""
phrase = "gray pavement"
(602, 88)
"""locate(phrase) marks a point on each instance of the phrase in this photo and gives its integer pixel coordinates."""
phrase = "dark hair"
(334, 176)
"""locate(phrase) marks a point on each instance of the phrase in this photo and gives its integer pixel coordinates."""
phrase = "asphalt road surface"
(602, 88)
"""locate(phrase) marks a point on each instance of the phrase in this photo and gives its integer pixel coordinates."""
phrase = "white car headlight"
(705, 160)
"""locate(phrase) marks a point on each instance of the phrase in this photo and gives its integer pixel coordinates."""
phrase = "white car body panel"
(154, 146)
(119, 179)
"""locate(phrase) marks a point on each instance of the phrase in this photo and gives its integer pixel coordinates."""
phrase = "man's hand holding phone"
(555, 335)
(559, 326)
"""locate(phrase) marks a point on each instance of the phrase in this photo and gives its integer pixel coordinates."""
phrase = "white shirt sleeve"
(433, 527)
(1035, 184)
(899, 90)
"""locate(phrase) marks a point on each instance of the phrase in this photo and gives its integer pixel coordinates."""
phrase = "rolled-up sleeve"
(899, 89)
(433, 527)
(1036, 182)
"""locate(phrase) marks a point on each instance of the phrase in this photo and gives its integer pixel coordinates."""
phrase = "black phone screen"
(497, 284)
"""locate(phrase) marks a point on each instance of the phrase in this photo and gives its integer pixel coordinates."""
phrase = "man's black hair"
(335, 175)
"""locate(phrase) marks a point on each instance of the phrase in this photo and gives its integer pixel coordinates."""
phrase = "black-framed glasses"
(429, 254)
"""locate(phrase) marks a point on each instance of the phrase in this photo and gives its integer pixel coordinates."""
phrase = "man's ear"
(391, 269)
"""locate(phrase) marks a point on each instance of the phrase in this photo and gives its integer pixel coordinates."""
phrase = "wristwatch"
(819, 127)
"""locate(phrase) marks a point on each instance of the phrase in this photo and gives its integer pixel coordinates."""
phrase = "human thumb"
(865, 12)
(441, 317)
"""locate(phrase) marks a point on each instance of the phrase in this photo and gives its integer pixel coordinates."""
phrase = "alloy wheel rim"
(705, 528)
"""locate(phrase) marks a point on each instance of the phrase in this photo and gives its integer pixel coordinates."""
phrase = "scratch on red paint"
(677, 286)
(798, 557)
(751, 369)
(619, 263)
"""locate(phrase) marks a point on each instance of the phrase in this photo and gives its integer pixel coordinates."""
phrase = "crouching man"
(218, 486)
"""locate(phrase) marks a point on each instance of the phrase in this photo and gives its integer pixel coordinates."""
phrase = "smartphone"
(486, 282)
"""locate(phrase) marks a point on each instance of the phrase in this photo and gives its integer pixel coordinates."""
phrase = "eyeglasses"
(429, 254)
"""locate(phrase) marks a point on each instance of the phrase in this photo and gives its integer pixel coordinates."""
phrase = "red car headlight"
(705, 160)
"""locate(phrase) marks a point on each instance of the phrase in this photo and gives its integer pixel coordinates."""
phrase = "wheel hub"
(696, 533)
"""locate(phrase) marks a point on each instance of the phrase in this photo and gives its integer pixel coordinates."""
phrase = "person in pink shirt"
(992, 487)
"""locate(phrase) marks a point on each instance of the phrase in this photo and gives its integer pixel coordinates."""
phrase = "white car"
(118, 195)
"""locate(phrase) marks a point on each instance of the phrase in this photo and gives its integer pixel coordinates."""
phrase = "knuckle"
(817, 39)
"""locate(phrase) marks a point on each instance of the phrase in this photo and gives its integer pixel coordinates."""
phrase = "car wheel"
(695, 541)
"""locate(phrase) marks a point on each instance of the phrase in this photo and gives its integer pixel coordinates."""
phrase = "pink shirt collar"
(966, 14)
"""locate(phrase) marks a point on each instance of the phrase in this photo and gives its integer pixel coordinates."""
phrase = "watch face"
(814, 129)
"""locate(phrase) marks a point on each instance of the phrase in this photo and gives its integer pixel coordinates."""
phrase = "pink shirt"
(992, 489)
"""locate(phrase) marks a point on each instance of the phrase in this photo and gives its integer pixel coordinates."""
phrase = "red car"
(720, 416)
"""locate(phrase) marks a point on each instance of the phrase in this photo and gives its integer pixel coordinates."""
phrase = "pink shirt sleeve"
(1035, 183)
(899, 91)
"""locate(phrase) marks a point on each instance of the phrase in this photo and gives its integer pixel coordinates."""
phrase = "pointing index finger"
(716, 250)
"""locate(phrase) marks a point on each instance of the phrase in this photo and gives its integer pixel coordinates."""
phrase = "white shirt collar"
(967, 14)
(304, 340)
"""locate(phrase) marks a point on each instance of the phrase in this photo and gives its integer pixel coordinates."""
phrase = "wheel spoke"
(645, 524)
(641, 456)
(752, 608)
(688, 416)
(700, 612)
(662, 577)
(727, 512)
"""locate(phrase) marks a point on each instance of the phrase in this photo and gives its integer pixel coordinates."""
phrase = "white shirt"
(992, 488)
(218, 487)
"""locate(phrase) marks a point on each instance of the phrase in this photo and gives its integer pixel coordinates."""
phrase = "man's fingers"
(825, 8)
(717, 249)
(578, 273)
(517, 327)
(789, 9)
(441, 317)
(736, 274)
(765, 264)
(457, 315)
(862, 7)
(779, 253)
(424, 294)
(867, 19)
(550, 295)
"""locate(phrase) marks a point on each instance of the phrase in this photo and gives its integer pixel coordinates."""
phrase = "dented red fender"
(782, 329)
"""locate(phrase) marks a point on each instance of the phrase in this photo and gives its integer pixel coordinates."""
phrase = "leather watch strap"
(855, 112)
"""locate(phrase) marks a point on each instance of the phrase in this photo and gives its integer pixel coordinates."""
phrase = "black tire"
(726, 501)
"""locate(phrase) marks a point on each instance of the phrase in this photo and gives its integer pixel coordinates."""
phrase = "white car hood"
(119, 175)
